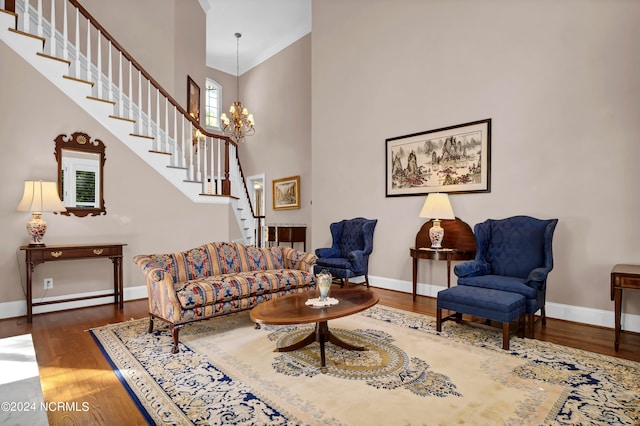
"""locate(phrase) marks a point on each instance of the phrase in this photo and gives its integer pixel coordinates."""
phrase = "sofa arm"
(296, 259)
(163, 301)
(471, 268)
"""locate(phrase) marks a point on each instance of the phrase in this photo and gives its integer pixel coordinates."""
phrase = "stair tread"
(79, 80)
(101, 100)
(141, 136)
(55, 58)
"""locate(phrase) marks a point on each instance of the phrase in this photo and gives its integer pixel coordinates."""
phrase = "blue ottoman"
(494, 305)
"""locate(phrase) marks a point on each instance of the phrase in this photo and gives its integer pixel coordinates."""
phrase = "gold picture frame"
(286, 193)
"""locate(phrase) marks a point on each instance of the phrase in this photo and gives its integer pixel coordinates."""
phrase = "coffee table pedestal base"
(321, 334)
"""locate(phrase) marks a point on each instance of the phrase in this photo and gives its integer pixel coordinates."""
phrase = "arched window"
(213, 99)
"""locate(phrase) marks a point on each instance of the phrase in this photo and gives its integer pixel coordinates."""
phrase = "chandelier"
(240, 123)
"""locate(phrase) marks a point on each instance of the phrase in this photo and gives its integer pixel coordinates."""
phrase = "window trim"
(218, 87)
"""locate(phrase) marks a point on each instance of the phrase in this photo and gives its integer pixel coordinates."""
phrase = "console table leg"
(415, 278)
(29, 292)
(618, 312)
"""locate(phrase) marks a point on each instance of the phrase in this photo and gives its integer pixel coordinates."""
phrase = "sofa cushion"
(223, 288)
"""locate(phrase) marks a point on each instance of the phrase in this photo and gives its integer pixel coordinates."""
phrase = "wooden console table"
(51, 253)
(287, 234)
(622, 277)
(458, 239)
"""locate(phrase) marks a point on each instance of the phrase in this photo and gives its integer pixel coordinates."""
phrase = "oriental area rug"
(227, 372)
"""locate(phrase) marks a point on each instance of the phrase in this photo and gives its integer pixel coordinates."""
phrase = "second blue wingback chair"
(513, 255)
(348, 256)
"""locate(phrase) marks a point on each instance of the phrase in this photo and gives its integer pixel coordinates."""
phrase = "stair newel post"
(88, 50)
(40, 18)
(226, 183)
(10, 5)
(52, 50)
(77, 44)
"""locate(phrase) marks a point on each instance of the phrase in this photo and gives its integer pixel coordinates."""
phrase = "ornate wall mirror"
(80, 174)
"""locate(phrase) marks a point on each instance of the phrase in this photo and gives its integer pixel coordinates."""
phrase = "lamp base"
(36, 228)
(436, 234)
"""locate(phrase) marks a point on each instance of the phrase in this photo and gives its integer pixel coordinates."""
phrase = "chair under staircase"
(86, 63)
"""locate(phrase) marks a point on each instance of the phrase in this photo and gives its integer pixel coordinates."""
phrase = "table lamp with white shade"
(437, 207)
(39, 197)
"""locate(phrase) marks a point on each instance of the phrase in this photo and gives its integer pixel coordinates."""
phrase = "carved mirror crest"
(80, 174)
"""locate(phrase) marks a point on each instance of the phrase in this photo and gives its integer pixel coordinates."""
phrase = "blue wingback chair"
(513, 255)
(348, 256)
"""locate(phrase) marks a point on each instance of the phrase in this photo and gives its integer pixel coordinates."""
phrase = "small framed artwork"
(455, 159)
(286, 193)
(193, 99)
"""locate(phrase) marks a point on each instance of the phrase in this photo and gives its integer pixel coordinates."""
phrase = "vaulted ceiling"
(267, 26)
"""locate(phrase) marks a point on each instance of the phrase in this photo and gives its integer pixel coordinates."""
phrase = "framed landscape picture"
(455, 159)
(286, 193)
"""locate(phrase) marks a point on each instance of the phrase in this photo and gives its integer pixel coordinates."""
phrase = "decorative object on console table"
(39, 197)
(459, 243)
(451, 159)
(437, 207)
(625, 277)
(286, 193)
(37, 255)
(281, 233)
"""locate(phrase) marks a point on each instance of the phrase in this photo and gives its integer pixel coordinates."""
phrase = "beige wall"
(147, 30)
(143, 210)
(560, 82)
(278, 93)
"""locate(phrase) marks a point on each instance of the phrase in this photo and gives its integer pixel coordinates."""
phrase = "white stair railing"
(96, 59)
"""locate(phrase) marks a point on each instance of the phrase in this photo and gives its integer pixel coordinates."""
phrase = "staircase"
(86, 63)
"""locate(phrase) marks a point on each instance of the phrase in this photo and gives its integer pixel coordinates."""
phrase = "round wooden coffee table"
(291, 309)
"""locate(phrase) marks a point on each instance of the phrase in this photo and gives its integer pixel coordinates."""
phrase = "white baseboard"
(580, 314)
(19, 308)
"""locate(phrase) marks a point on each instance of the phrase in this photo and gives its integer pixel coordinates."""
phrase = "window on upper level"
(213, 99)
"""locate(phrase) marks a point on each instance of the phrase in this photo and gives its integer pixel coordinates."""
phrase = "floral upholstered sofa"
(220, 278)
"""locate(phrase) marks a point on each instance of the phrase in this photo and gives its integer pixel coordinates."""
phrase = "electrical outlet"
(48, 283)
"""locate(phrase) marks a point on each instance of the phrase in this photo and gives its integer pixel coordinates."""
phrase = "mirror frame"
(82, 142)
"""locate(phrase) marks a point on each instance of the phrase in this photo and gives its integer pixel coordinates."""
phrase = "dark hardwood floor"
(73, 369)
